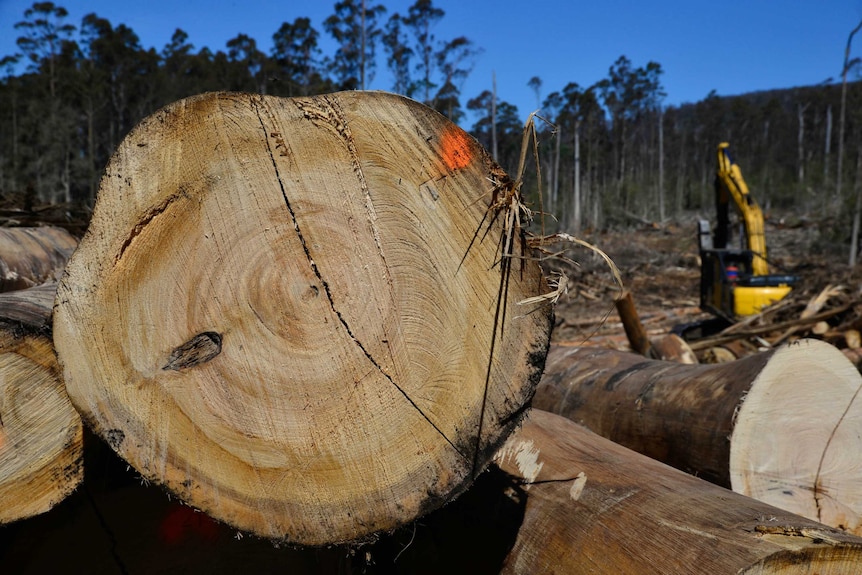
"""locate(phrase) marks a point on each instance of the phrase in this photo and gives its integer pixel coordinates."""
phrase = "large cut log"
(593, 506)
(33, 256)
(41, 446)
(294, 313)
(783, 426)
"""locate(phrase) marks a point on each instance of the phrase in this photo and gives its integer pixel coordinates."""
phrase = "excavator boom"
(731, 185)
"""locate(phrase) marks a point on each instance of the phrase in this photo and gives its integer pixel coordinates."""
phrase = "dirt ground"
(660, 266)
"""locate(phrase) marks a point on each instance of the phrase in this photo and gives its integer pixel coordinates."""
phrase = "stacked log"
(781, 426)
(593, 506)
(41, 434)
(33, 256)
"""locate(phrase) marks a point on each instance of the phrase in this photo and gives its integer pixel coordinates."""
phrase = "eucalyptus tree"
(454, 61)
(421, 19)
(9, 101)
(630, 95)
(581, 108)
(242, 51)
(399, 55)
(45, 35)
(298, 58)
(177, 66)
(354, 27)
(130, 74)
(44, 29)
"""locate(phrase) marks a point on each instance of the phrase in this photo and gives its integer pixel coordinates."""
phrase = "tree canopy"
(610, 151)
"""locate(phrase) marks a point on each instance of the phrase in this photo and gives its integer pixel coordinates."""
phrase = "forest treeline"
(609, 153)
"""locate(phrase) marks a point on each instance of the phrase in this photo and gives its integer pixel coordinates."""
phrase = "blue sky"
(732, 46)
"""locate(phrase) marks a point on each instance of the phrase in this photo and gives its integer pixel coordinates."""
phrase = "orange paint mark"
(457, 151)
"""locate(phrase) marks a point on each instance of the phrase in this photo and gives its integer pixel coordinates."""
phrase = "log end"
(796, 440)
(41, 434)
(326, 344)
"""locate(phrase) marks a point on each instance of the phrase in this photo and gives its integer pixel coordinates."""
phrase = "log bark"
(41, 445)
(294, 314)
(783, 426)
(635, 332)
(593, 506)
(33, 256)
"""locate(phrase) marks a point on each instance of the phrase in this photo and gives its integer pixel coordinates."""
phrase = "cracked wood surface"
(783, 426)
(267, 314)
(593, 506)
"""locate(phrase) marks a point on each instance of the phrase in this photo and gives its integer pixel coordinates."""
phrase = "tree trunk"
(841, 120)
(661, 206)
(827, 146)
(781, 426)
(293, 313)
(593, 506)
(576, 212)
(494, 117)
(33, 256)
(41, 445)
(857, 212)
(555, 188)
(800, 146)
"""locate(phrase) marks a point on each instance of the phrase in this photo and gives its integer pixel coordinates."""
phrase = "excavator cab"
(735, 282)
(728, 286)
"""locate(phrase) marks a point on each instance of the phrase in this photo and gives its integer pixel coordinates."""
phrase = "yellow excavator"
(735, 282)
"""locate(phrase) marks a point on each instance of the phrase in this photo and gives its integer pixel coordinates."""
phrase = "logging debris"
(659, 267)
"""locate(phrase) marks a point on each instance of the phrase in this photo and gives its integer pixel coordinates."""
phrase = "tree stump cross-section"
(275, 313)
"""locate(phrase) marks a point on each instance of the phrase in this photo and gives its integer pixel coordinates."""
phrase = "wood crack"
(145, 221)
(331, 117)
(260, 107)
(818, 494)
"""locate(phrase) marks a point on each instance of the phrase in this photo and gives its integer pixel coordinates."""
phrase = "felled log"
(593, 506)
(40, 432)
(33, 256)
(295, 314)
(783, 426)
(635, 332)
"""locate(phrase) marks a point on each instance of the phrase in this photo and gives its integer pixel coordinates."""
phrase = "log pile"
(305, 319)
(593, 506)
(830, 311)
(781, 426)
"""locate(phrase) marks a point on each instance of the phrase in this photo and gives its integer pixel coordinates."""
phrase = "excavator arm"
(730, 185)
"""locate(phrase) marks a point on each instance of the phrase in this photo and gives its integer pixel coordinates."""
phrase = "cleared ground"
(660, 266)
